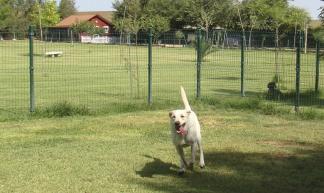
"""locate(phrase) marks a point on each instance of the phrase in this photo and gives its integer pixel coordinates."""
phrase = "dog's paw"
(181, 172)
(191, 166)
(202, 166)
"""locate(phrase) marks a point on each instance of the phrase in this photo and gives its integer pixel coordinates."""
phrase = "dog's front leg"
(193, 156)
(201, 161)
(183, 163)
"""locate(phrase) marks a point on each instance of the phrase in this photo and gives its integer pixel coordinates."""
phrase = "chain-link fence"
(102, 71)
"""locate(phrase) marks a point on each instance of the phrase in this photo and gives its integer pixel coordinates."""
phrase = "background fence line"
(111, 74)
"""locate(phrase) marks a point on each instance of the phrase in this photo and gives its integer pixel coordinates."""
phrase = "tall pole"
(318, 44)
(40, 19)
(150, 37)
(242, 64)
(199, 61)
(31, 71)
(297, 99)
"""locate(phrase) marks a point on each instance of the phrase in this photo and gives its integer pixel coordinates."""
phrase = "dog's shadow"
(157, 167)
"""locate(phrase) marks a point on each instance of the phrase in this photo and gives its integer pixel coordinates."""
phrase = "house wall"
(98, 22)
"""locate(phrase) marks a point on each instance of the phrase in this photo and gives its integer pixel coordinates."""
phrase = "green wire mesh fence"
(103, 71)
(14, 76)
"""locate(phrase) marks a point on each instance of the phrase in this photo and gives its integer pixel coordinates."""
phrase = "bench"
(54, 54)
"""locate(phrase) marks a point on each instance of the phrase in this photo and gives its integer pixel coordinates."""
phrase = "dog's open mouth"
(180, 129)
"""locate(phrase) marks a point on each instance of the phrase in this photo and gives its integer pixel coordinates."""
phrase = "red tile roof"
(108, 15)
(80, 17)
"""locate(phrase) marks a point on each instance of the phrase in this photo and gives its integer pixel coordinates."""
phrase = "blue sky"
(311, 6)
(104, 5)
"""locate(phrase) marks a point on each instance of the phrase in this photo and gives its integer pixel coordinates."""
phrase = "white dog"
(185, 130)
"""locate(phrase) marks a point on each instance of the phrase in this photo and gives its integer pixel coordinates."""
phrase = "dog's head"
(179, 118)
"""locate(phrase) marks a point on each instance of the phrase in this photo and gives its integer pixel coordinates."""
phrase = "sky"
(311, 6)
(94, 5)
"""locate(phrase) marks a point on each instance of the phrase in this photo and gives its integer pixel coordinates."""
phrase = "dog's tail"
(184, 99)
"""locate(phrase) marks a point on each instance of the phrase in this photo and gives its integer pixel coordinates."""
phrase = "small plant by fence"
(147, 69)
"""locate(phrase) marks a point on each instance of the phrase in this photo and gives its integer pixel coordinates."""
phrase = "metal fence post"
(242, 64)
(31, 70)
(298, 52)
(150, 37)
(318, 44)
(199, 61)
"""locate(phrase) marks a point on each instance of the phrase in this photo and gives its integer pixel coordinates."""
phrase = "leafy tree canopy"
(66, 8)
(45, 13)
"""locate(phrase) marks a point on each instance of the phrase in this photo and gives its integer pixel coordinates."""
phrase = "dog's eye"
(173, 117)
(182, 116)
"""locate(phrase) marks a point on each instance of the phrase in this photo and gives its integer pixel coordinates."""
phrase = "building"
(96, 18)
(62, 31)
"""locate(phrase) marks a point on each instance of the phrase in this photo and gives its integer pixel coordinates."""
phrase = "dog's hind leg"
(201, 161)
(183, 163)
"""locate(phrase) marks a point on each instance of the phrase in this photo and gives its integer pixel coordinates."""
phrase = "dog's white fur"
(188, 121)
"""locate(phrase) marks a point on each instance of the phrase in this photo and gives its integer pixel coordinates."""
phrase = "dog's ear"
(170, 114)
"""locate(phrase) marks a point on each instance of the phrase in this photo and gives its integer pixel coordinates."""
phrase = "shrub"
(309, 114)
(63, 109)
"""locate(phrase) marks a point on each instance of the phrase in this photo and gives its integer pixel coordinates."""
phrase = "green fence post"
(31, 70)
(298, 52)
(318, 44)
(242, 64)
(150, 37)
(199, 61)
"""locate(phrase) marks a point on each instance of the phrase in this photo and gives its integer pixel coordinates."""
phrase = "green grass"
(245, 151)
(99, 76)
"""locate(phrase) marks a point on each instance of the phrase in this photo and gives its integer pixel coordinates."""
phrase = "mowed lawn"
(245, 152)
(102, 75)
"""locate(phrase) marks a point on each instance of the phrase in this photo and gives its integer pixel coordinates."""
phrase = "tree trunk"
(277, 56)
(242, 26)
(306, 37)
(207, 29)
(295, 35)
(137, 67)
(40, 22)
(250, 37)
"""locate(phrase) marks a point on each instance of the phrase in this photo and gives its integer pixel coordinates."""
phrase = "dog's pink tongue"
(181, 131)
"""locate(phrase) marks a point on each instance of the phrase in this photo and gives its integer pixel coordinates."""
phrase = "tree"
(321, 15)
(297, 17)
(88, 28)
(208, 13)
(44, 14)
(179, 35)
(15, 15)
(127, 17)
(5, 13)
(276, 16)
(156, 23)
(254, 12)
(133, 15)
(66, 8)
(174, 11)
(319, 33)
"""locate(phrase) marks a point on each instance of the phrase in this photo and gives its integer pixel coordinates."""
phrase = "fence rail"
(144, 68)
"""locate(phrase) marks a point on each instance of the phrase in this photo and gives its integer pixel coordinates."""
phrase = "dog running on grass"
(185, 130)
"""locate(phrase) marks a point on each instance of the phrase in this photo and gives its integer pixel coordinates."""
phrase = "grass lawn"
(111, 150)
(132, 152)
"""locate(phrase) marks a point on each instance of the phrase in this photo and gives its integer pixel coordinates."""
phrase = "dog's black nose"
(177, 123)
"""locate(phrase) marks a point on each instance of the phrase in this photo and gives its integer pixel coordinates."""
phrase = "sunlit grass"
(133, 152)
(98, 76)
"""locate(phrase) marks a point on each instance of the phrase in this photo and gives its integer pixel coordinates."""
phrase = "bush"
(244, 103)
(63, 109)
(310, 114)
